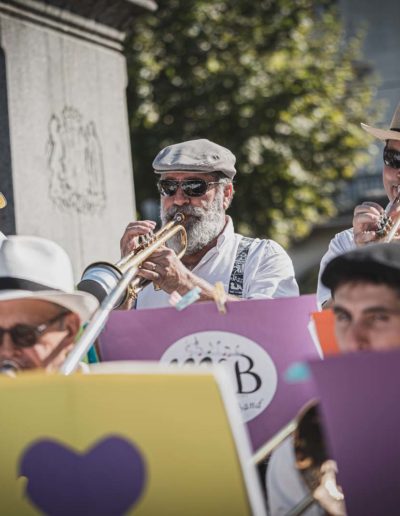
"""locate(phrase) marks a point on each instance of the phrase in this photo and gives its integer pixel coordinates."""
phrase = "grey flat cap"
(195, 156)
(380, 262)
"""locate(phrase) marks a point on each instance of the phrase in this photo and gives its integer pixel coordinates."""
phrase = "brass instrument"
(389, 222)
(100, 278)
(9, 368)
(312, 461)
(314, 465)
(114, 284)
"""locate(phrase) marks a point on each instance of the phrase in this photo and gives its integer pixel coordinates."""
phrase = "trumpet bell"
(99, 279)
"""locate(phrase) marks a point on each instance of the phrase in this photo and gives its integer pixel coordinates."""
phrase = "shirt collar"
(227, 233)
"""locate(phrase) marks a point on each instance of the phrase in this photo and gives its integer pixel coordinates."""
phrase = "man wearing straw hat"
(40, 312)
(367, 215)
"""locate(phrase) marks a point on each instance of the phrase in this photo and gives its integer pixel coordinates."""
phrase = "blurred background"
(284, 85)
(89, 88)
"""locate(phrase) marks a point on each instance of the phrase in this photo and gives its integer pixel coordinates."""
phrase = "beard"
(202, 224)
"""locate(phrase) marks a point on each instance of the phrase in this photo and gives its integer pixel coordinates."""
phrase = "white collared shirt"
(340, 244)
(285, 486)
(268, 271)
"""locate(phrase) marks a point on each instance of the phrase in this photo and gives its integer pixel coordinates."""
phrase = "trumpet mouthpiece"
(9, 368)
(179, 217)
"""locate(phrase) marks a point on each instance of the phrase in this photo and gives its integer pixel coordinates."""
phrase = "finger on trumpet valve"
(146, 239)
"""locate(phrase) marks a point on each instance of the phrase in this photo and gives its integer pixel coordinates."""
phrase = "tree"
(272, 80)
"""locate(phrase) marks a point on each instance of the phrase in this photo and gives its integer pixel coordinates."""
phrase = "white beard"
(202, 224)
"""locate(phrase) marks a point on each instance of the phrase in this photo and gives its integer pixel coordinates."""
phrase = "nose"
(180, 199)
(356, 338)
(7, 348)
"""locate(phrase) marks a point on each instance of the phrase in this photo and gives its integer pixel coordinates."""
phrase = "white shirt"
(268, 271)
(285, 486)
(341, 243)
(2, 236)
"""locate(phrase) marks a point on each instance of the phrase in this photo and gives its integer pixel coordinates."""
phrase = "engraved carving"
(75, 161)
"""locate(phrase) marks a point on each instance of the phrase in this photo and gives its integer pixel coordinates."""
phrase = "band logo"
(250, 367)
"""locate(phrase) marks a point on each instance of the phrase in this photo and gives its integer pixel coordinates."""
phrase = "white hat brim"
(82, 303)
(382, 134)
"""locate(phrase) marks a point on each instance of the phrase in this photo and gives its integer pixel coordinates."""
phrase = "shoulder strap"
(236, 279)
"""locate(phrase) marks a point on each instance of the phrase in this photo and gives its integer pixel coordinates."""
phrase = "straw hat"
(37, 268)
(386, 134)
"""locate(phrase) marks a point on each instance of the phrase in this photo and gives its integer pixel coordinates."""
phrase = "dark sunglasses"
(26, 336)
(190, 187)
(391, 158)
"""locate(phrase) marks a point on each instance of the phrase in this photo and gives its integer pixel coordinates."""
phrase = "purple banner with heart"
(257, 341)
(360, 404)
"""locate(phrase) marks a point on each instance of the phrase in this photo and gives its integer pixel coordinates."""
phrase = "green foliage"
(273, 81)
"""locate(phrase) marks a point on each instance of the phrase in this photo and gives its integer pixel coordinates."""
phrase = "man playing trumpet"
(195, 179)
(368, 216)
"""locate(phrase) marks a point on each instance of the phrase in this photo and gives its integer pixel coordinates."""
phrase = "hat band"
(22, 284)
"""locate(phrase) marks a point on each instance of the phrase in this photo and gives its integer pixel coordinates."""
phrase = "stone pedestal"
(65, 160)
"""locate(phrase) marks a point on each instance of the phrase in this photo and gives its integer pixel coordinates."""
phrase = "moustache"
(188, 211)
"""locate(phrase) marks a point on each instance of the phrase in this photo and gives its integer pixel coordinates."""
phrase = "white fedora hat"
(386, 134)
(37, 268)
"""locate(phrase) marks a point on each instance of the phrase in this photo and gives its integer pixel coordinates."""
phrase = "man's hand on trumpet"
(371, 223)
(365, 222)
(167, 271)
(134, 230)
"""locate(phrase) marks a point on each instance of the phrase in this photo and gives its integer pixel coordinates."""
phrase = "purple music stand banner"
(257, 340)
(360, 405)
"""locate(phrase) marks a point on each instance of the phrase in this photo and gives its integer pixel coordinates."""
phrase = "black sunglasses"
(391, 158)
(26, 336)
(190, 187)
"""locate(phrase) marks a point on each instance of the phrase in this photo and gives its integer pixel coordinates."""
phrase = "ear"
(228, 195)
(71, 323)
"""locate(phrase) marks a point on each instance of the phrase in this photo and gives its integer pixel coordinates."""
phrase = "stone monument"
(65, 159)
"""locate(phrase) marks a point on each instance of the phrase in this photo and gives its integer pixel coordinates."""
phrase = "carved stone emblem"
(75, 161)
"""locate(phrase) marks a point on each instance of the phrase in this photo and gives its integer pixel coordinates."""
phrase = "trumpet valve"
(385, 224)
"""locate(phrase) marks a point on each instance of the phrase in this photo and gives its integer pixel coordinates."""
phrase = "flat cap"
(377, 262)
(195, 156)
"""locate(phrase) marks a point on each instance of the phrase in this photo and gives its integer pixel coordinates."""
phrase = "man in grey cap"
(365, 285)
(195, 178)
(368, 215)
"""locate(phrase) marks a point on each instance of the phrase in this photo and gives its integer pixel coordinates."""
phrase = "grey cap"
(379, 262)
(195, 156)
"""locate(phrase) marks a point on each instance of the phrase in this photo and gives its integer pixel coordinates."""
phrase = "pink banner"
(257, 340)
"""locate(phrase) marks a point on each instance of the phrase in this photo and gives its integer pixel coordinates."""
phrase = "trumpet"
(100, 278)
(9, 368)
(113, 285)
(389, 222)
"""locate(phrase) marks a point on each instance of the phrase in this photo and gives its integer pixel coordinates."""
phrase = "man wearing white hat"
(196, 180)
(367, 215)
(40, 312)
